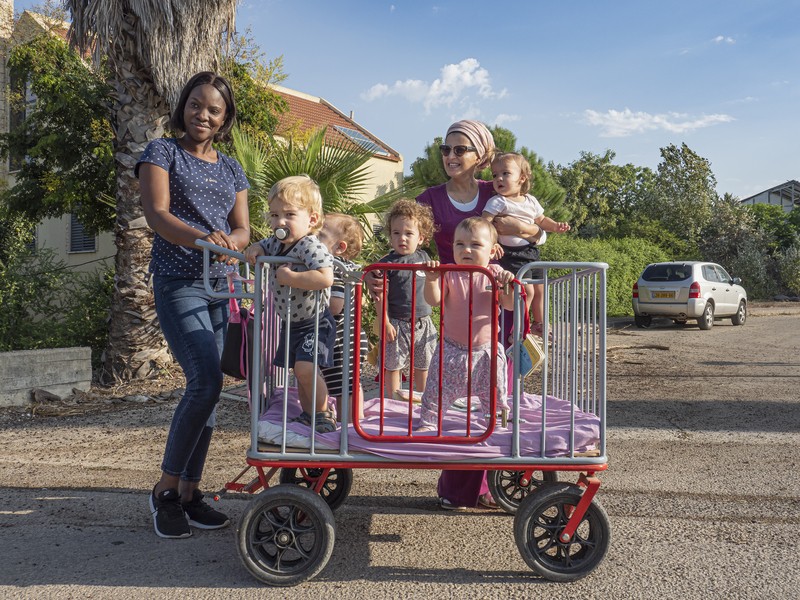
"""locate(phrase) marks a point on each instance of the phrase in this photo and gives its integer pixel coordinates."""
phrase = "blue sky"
(630, 76)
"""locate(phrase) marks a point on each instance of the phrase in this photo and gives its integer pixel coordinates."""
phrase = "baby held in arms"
(474, 243)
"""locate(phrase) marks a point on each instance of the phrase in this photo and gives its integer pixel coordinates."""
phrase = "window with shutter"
(79, 240)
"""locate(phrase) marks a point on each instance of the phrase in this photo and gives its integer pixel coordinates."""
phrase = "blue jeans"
(194, 325)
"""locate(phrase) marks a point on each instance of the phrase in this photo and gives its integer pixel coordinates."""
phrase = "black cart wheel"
(335, 489)
(286, 536)
(538, 524)
(642, 322)
(507, 490)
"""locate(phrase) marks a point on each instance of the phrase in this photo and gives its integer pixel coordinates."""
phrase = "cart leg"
(260, 481)
(591, 484)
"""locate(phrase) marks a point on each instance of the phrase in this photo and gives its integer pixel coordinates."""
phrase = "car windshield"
(669, 272)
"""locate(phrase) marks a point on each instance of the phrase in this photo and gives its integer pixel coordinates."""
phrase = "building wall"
(386, 175)
(55, 235)
(6, 30)
(769, 198)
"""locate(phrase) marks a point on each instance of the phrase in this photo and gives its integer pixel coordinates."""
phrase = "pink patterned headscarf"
(479, 135)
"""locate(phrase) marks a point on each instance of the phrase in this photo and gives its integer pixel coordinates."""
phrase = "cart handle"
(208, 248)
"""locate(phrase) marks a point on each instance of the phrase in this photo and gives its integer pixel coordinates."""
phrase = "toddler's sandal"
(303, 418)
(324, 422)
(445, 504)
(487, 501)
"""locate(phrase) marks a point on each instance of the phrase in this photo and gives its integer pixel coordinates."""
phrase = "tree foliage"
(684, 193)
(780, 228)
(603, 196)
(16, 231)
(428, 170)
(789, 268)
(66, 137)
(43, 304)
(730, 227)
(64, 143)
(251, 74)
(653, 231)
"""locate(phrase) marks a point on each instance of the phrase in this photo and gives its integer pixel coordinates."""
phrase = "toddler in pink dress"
(474, 243)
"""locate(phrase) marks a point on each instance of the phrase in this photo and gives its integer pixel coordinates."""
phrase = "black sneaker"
(168, 516)
(199, 514)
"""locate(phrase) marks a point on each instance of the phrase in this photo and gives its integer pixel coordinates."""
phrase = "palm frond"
(168, 41)
(340, 169)
(382, 203)
(252, 155)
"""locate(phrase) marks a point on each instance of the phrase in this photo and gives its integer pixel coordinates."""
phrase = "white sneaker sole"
(203, 526)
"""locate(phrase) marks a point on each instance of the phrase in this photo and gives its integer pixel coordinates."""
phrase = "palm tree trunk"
(136, 347)
(152, 49)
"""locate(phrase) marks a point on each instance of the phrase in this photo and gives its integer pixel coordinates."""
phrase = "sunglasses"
(457, 150)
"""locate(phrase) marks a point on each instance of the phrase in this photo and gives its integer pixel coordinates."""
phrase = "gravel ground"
(701, 491)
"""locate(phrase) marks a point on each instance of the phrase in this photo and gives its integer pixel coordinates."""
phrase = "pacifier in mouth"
(282, 233)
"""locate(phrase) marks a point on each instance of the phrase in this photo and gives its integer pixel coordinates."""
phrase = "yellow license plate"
(663, 294)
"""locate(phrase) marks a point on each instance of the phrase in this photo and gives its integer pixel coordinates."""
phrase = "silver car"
(688, 290)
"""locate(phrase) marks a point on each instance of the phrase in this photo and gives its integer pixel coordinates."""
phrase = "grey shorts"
(398, 352)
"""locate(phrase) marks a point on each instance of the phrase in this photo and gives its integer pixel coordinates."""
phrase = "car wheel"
(706, 321)
(741, 315)
(642, 322)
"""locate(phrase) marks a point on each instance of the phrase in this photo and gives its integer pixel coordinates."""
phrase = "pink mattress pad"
(558, 425)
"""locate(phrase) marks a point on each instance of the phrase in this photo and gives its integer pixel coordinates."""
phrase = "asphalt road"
(702, 494)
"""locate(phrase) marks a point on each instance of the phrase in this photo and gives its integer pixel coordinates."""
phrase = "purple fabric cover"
(587, 431)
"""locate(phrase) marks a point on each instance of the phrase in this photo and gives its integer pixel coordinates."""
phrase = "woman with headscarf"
(468, 147)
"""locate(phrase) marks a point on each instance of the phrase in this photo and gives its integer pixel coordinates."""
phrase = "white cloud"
(468, 111)
(722, 38)
(745, 100)
(391, 8)
(376, 91)
(456, 83)
(503, 118)
(623, 123)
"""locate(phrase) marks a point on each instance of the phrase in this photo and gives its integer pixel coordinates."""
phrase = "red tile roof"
(309, 112)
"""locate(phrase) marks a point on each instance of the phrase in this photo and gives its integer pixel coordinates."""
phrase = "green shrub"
(86, 311)
(757, 270)
(43, 304)
(789, 268)
(626, 258)
(32, 288)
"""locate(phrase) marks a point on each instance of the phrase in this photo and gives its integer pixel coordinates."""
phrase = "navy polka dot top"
(202, 195)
